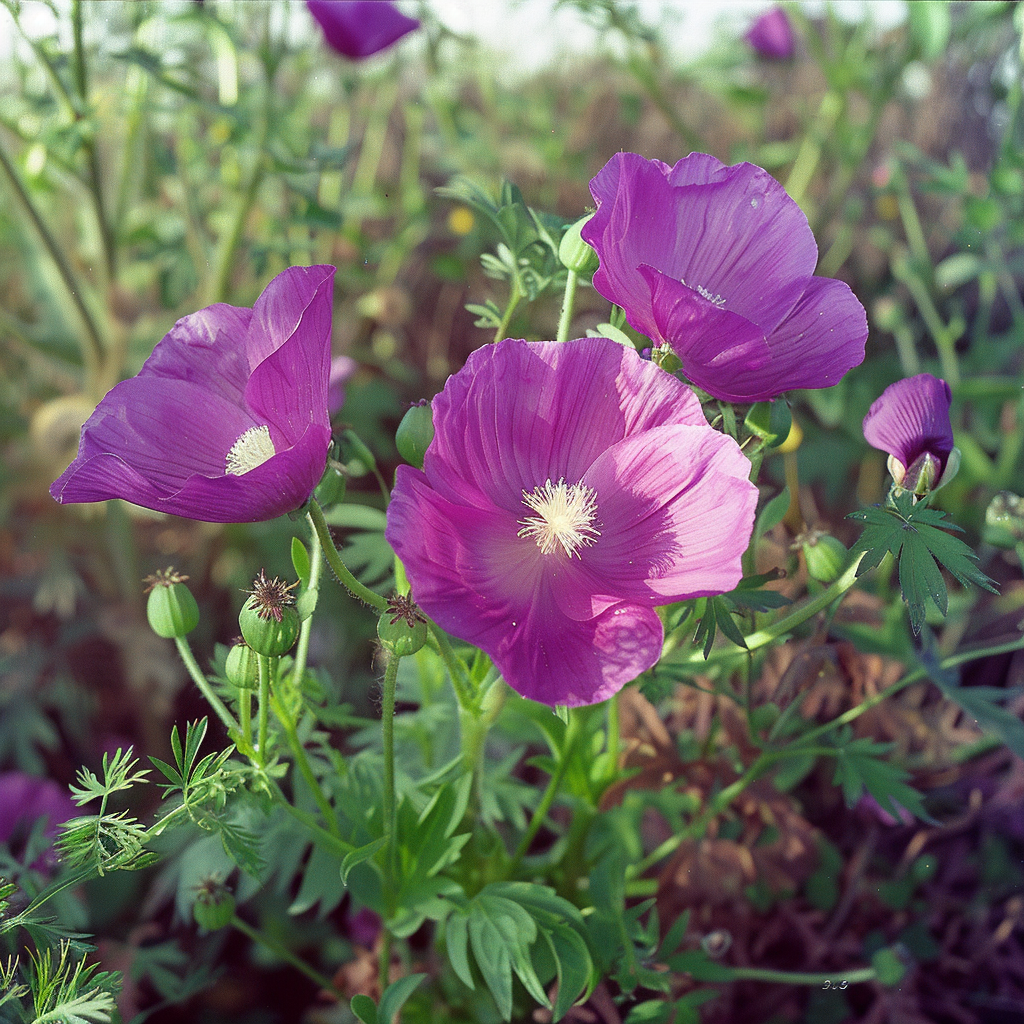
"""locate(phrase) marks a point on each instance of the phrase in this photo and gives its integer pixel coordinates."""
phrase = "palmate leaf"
(860, 767)
(916, 537)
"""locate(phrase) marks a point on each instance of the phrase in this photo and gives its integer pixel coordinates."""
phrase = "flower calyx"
(402, 629)
(268, 619)
(171, 609)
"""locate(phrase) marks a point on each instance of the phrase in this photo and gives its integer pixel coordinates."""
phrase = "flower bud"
(268, 619)
(574, 253)
(1004, 520)
(171, 609)
(214, 906)
(331, 489)
(826, 557)
(415, 433)
(242, 667)
(402, 629)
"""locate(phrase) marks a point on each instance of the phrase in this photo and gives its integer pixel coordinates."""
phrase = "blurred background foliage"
(156, 157)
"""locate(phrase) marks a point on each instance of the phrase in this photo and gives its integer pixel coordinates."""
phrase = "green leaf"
(395, 995)
(359, 855)
(300, 560)
(364, 1008)
(860, 767)
(916, 536)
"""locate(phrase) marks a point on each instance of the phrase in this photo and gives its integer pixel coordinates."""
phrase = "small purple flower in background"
(342, 367)
(359, 28)
(718, 263)
(771, 35)
(26, 798)
(910, 421)
(569, 490)
(227, 420)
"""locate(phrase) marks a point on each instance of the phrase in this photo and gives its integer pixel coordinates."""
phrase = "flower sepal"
(415, 433)
(402, 630)
(770, 421)
(574, 254)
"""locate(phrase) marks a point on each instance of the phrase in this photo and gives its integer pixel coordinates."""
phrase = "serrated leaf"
(860, 767)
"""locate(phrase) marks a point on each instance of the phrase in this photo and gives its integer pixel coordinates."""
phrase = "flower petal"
(359, 28)
(822, 338)
(496, 591)
(911, 417)
(569, 403)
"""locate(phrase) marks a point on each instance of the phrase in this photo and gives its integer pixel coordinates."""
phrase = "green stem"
(540, 812)
(568, 302)
(204, 684)
(802, 977)
(387, 719)
(93, 350)
(613, 738)
(286, 955)
(302, 648)
(329, 840)
(245, 716)
(809, 154)
(514, 297)
(305, 768)
(465, 691)
(354, 587)
(263, 730)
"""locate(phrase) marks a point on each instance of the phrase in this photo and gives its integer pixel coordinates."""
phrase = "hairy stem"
(203, 683)
(354, 587)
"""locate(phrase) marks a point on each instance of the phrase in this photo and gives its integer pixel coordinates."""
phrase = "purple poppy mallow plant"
(360, 28)
(771, 35)
(227, 421)
(910, 421)
(568, 491)
(718, 263)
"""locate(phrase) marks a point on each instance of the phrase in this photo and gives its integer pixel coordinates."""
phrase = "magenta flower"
(227, 420)
(718, 263)
(342, 367)
(910, 421)
(771, 35)
(359, 28)
(23, 800)
(569, 489)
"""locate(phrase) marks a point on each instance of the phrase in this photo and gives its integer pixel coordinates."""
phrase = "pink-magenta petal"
(359, 28)
(911, 418)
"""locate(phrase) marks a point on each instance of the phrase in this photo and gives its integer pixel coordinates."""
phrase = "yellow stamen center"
(565, 517)
(252, 449)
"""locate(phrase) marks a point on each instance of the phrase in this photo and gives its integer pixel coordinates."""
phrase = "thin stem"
(387, 719)
(264, 709)
(465, 691)
(329, 840)
(286, 955)
(305, 768)
(302, 648)
(802, 977)
(809, 155)
(245, 715)
(203, 683)
(345, 577)
(93, 350)
(554, 784)
(568, 303)
(514, 297)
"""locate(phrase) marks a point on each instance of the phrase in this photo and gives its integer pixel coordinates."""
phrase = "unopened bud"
(402, 629)
(171, 609)
(574, 253)
(241, 668)
(826, 557)
(415, 433)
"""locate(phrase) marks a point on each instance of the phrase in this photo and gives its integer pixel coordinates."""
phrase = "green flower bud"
(826, 557)
(214, 906)
(415, 433)
(268, 620)
(171, 609)
(331, 489)
(770, 421)
(402, 629)
(574, 253)
(1004, 520)
(242, 667)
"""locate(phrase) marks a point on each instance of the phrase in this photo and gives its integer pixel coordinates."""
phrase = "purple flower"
(569, 489)
(359, 28)
(227, 420)
(910, 421)
(26, 798)
(771, 35)
(718, 263)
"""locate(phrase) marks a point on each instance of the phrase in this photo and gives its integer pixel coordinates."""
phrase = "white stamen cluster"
(252, 449)
(565, 517)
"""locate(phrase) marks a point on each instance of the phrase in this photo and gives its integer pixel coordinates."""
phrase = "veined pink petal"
(911, 418)
(359, 28)
(162, 438)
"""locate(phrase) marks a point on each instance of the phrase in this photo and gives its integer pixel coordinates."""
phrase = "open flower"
(227, 420)
(359, 28)
(718, 263)
(910, 421)
(771, 35)
(569, 489)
